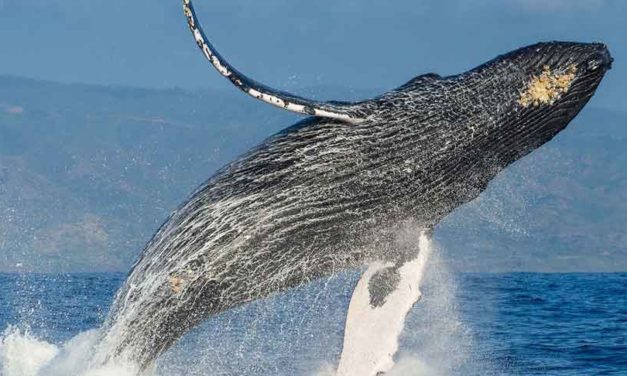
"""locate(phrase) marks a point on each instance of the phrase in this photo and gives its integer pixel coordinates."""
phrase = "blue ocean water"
(467, 324)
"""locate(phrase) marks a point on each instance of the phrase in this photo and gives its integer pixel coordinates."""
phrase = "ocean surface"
(466, 324)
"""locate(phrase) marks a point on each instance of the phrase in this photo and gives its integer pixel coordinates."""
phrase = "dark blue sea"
(466, 324)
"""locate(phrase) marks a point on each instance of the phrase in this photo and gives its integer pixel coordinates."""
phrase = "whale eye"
(548, 86)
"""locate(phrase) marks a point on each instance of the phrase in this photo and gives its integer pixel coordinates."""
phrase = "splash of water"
(250, 341)
(436, 340)
(21, 354)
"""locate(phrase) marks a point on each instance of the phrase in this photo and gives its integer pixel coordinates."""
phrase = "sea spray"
(292, 333)
(75, 359)
(300, 333)
(436, 340)
(23, 355)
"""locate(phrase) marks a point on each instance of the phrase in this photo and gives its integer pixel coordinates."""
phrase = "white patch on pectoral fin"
(376, 315)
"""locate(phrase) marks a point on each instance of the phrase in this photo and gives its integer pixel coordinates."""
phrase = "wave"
(21, 354)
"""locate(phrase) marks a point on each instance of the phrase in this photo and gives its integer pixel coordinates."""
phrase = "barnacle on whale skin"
(176, 284)
(547, 87)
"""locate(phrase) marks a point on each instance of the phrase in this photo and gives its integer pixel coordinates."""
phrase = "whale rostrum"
(334, 191)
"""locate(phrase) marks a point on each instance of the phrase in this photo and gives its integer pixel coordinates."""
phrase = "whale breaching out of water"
(342, 189)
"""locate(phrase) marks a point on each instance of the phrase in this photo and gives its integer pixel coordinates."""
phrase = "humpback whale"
(338, 190)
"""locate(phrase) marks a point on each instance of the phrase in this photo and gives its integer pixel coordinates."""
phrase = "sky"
(292, 44)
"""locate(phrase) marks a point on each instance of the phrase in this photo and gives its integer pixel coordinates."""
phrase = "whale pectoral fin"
(376, 315)
(341, 111)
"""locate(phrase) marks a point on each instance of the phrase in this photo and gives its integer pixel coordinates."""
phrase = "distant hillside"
(88, 173)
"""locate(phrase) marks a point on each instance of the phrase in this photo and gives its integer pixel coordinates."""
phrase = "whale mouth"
(602, 59)
(589, 70)
(594, 65)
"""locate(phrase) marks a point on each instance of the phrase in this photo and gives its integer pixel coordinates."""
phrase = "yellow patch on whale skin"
(547, 87)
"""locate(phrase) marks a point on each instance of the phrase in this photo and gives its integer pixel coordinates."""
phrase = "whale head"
(458, 132)
(535, 92)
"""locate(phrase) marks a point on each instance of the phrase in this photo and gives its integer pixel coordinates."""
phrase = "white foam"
(406, 366)
(436, 341)
(21, 354)
(412, 366)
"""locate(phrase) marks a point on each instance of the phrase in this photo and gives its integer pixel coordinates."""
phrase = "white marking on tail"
(271, 96)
